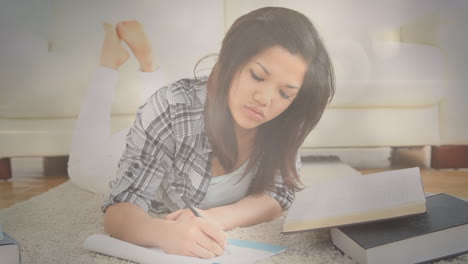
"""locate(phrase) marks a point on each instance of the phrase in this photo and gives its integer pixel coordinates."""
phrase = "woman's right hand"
(195, 237)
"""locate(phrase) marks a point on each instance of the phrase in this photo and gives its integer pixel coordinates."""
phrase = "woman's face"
(265, 87)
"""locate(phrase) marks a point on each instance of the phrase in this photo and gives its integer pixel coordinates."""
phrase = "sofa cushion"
(410, 76)
(376, 127)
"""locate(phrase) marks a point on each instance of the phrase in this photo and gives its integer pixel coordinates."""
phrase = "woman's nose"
(263, 96)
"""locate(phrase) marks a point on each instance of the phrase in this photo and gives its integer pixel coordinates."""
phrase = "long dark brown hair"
(277, 142)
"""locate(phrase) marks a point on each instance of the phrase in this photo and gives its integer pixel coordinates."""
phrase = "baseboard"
(376, 157)
(449, 157)
(54, 166)
(368, 158)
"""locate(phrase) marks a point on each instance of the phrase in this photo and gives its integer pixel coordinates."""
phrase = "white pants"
(94, 152)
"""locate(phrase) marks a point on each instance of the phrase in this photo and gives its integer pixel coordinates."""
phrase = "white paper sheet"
(242, 251)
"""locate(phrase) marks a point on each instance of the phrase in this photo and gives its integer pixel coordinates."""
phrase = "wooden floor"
(30, 180)
(453, 182)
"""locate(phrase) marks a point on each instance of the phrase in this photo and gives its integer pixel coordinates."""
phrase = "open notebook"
(242, 251)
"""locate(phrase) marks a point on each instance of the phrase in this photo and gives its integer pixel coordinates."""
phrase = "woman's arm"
(131, 223)
(248, 211)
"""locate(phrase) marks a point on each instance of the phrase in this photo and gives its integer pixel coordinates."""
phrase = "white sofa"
(393, 89)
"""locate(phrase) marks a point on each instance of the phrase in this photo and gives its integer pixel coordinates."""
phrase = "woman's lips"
(255, 112)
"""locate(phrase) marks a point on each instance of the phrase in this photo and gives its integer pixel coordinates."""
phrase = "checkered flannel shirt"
(168, 153)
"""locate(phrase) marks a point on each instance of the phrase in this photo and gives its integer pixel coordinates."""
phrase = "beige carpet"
(51, 228)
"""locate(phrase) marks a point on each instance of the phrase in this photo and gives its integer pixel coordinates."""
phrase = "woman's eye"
(284, 95)
(255, 77)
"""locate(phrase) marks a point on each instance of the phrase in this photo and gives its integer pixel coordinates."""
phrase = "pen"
(191, 207)
(198, 214)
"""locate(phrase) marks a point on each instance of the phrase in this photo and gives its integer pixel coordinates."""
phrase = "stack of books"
(9, 249)
(383, 218)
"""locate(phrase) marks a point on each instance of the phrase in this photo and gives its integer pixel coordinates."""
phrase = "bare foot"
(113, 55)
(132, 33)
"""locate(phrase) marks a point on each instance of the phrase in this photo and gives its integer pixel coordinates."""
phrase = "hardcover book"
(9, 250)
(440, 233)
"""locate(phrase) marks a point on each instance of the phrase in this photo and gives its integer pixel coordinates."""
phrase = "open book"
(357, 199)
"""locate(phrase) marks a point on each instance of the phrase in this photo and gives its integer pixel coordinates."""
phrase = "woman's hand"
(195, 237)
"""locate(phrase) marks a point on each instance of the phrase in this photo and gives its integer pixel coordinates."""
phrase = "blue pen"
(197, 214)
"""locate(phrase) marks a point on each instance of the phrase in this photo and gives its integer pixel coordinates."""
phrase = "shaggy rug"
(52, 227)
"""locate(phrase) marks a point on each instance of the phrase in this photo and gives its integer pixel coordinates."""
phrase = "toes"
(129, 25)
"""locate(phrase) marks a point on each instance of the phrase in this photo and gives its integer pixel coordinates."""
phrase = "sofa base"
(449, 157)
(5, 169)
(55, 166)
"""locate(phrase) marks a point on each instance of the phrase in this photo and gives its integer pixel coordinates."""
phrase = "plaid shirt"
(168, 153)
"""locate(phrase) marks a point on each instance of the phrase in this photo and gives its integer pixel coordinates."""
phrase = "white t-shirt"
(227, 189)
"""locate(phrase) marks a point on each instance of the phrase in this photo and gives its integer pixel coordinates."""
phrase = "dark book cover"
(443, 212)
(11, 248)
(8, 240)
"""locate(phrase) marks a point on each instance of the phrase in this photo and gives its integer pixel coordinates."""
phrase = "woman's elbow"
(111, 219)
(277, 211)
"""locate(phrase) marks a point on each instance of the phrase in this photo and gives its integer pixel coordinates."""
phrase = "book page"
(356, 194)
